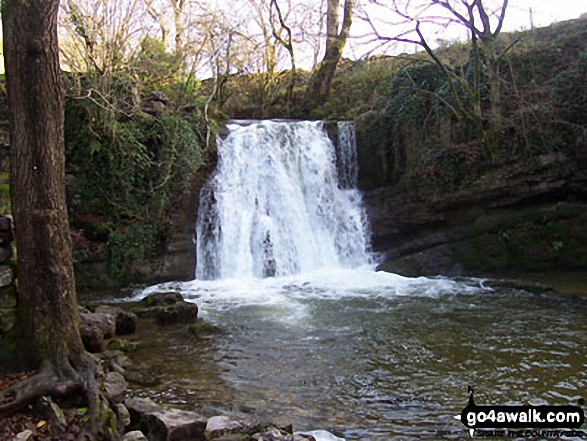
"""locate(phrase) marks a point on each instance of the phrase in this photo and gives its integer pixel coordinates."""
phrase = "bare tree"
(483, 26)
(319, 87)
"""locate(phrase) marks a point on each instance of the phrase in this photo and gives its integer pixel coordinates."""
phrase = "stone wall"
(8, 298)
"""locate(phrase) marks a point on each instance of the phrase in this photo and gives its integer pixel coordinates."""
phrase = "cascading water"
(331, 342)
(277, 205)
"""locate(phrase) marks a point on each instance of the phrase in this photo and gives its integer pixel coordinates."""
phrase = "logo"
(476, 417)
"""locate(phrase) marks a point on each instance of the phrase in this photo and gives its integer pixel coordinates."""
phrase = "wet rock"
(323, 435)
(120, 344)
(126, 322)
(115, 387)
(135, 435)
(145, 377)
(162, 298)
(203, 328)
(183, 312)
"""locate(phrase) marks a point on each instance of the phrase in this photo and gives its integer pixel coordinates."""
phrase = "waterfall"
(348, 167)
(277, 205)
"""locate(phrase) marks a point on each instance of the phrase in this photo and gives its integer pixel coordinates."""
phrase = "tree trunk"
(48, 311)
(319, 87)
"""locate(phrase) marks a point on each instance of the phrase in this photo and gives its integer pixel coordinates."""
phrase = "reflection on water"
(371, 356)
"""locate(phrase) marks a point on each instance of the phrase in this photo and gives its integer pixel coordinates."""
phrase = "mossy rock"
(203, 327)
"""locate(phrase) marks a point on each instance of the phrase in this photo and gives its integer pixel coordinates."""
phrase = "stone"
(115, 387)
(137, 407)
(25, 435)
(120, 344)
(320, 434)
(135, 435)
(273, 434)
(6, 274)
(126, 322)
(92, 337)
(174, 425)
(105, 322)
(183, 312)
(221, 425)
(233, 437)
(203, 328)
(162, 298)
(123, 416)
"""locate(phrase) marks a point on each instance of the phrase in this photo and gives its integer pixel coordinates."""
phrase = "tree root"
(59, 382)
(42, 384)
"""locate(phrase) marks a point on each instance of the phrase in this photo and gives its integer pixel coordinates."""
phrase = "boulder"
(162, 424)
(126, 322)
(174, 425)
(135, 435)
(183, 312)
(218, 426)
(115, 387)
(92, 338)
(137, 407)
(162, 298)
(105, 322)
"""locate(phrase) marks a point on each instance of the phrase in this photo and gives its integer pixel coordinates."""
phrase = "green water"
(371, 364)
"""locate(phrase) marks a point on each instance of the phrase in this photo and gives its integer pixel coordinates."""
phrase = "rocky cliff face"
(523, 215)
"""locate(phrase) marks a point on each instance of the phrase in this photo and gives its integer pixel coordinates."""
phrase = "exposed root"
(74, 379)
(46, 382)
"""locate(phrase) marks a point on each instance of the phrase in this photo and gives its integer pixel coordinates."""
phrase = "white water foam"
(274, 206)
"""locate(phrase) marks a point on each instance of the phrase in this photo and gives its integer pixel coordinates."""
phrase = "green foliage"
(134, 142)
(131, 248)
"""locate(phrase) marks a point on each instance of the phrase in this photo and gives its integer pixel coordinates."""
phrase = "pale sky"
(520, 15)
(544, 11)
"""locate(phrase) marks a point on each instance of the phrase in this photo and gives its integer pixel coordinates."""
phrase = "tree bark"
(320, 83)
(48, 313)
(48, 310)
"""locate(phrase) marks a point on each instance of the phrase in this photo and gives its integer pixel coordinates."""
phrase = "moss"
(551, 238)
(202, 327)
